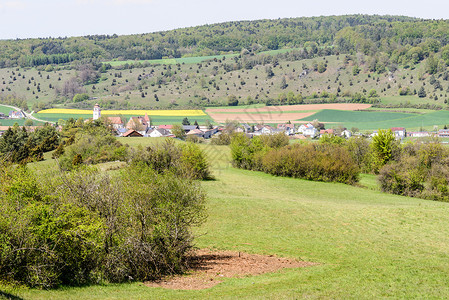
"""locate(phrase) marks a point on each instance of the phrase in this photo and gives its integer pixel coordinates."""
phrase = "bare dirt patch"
(299, 107)
(210, 267)
(273, 117)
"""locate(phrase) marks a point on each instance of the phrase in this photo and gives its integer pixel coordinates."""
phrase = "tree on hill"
(232, 100)
(422, 93)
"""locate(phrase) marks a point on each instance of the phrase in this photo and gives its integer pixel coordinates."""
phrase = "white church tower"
(97, 112)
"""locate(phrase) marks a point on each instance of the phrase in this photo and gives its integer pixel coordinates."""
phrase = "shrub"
(44, 243)
(422, 171)
(84, 227)
(223, 138)
(92, 147)
(194, 139)
(312, 162)
(384, 148)
(360, 151)
(185, 159)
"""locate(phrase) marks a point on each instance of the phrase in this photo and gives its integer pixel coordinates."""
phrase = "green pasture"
(172, 61)
(366, 120)
(5, 109)
(191, 60)
(367, 244)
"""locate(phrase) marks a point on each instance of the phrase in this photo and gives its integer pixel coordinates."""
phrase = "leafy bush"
(92, 147)
(323, 162)
(85, 227)
(221, 139)
(422, 171)
(312, 162)
(184, 159)
(43, 242)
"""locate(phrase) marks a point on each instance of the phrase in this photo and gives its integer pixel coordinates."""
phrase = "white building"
(97, 112)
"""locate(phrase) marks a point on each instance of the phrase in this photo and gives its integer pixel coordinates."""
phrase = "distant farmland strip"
(374, 120)
(155, 120)
(275, 117)
(167, 113)
(300, 107)
(278, 114)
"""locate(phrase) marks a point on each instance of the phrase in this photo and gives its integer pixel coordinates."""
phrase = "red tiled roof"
(397, 128)
(165, 127)
(115, 120)
(131, 131)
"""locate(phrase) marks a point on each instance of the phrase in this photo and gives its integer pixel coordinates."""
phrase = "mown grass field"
(368, 245)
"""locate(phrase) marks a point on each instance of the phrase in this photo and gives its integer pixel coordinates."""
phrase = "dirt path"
(210, 267)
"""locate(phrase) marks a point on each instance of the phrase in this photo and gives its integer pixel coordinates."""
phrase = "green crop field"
(368, 120)
(5, 109)
(367, 244)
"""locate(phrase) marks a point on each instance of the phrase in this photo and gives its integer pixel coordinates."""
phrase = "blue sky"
(44, 18)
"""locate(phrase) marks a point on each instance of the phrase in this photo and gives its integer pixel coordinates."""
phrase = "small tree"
(178, 131)
(185, 121)
(232, 100)
(422, 93)
(383, 147)
(28, 122)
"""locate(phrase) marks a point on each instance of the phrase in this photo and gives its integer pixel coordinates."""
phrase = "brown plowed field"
(277, 114)
(339, 106)
(274, 117)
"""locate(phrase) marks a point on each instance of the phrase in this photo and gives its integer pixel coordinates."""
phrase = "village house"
(327, 131)
(399, 132)
(159, 132)
(116, 122)
(166, 127)
(197, 132)
(140, 124)
(16, 114)
(289, 129)
(308, 130)
(443, 133)
(187, 128)
(132, 133)
(419, 134)
(346, 134)
(2, 116)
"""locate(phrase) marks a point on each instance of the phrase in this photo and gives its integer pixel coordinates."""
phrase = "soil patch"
(299, 107)
(273, 117)
(210, 267)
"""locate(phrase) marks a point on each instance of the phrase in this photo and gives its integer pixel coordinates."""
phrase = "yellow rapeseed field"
(164, 113)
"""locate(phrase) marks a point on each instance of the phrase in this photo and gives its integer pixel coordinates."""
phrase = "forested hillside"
(385, 60)
(369, 34)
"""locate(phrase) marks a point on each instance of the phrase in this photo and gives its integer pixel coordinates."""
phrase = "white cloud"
(115, 2)
(13, 4)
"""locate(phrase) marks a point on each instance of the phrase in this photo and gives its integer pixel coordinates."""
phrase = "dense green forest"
(395, 35)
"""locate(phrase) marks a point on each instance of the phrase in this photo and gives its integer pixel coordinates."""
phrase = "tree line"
(400, 38)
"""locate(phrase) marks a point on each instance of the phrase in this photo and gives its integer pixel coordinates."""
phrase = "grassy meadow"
(202, 82)
(367, 244)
